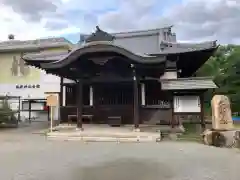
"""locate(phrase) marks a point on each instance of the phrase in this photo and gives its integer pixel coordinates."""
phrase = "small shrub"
(6, 113)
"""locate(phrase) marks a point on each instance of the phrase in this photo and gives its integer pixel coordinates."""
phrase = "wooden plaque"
(52, 100)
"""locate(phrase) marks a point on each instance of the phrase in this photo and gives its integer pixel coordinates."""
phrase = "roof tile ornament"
(163, 46)
(100, 35)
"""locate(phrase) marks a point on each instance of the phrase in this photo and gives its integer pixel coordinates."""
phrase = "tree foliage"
(224, 67)
(7, 115)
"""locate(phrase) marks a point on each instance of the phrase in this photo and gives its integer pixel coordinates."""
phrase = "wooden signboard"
(52, 100)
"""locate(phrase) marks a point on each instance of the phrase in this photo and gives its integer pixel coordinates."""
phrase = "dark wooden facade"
(117, 99)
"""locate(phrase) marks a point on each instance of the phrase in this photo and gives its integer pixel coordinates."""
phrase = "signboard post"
(52, 102)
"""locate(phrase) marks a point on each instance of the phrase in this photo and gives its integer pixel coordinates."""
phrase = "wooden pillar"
(203, 124)
(60, 99)
(173, 120)
(29, 110)
(136, 100)
(79, 104)
(61, 92)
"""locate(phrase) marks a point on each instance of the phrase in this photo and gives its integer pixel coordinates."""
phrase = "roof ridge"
(130, 33)
(143, 30)
(191, 44)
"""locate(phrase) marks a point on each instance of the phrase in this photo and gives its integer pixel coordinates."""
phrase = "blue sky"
(193, 20)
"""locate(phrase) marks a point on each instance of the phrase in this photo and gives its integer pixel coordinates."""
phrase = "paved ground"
(27, 156)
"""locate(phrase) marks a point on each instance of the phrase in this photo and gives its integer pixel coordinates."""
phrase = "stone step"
(104, 139)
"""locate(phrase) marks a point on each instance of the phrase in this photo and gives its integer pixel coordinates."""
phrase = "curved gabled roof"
(96, 47)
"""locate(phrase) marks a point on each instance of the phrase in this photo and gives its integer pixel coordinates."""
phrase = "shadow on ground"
(125, 169)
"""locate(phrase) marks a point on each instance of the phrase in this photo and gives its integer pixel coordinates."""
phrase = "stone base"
(55, 123)
(136, 130)
(79, 129)
(173, 136)
(220, 138)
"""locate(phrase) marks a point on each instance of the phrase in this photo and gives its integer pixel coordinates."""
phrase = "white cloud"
(194, 20)
(17, 25)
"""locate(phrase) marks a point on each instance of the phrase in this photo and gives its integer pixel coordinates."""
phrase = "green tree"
(230, 84)
(224, 67)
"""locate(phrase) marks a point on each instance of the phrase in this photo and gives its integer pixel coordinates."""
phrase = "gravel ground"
(26, 156)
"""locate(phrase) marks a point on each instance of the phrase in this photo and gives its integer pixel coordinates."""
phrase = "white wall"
(187, 104)
(47, 82)
(140, 44)
(35, 93)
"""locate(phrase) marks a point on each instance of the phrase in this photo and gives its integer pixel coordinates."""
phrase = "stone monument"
(221, 113)
(222, 133)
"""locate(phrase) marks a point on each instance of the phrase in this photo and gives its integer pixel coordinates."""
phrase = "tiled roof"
(33, 44)
(188, 83)
(173, 48)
